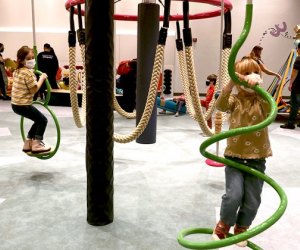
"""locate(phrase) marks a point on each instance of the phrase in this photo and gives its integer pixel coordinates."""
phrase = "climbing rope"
(234, 132)
(225, 78)
(118, 108)
(185, 83)
(223, 72)
(199, 116)
(151, 98)
(183, 73)
(191, 74)
(219, 84)
(157, 68)
(188, 75)
(152, 93)
(80, 118)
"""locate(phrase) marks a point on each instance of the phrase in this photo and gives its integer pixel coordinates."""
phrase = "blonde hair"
(247, 65)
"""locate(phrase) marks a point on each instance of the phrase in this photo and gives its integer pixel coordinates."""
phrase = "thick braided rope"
(184, 78)
(151, 98)
(121, 111)
(185, 84)
(194, 91)
(83, 80)
(225, 78)
(79, 119)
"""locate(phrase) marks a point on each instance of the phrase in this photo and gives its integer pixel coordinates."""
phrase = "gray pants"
(243, 191)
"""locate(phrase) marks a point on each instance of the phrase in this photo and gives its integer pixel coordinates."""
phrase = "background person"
(180, 102)
(210, 83)
(294, 87)
(48, 63)
(3, 76)
(256, 55)
(127, 82)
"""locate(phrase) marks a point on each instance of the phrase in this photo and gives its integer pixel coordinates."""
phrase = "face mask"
(30, 63)
(2, 49)
(207, 82)
(255, 77)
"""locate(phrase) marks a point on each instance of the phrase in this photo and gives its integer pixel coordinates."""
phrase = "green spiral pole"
(271, 117)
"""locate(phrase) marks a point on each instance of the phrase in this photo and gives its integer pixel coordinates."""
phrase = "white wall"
(52, 25)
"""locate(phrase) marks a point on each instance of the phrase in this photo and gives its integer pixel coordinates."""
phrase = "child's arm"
(224, 103)
(268, 71)
(35, 88)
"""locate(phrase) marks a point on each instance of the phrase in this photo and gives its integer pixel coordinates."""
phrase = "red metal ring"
(73, 3)
(203, 15)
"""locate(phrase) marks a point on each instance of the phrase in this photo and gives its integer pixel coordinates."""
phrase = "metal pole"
(33, 32)
(33, 22)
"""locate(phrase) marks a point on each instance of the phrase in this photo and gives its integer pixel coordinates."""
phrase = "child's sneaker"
(27, 145)
(221, 231)
(39, 146)
(238, 230)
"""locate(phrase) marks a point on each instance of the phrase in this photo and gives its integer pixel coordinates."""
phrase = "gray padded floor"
(160, 188)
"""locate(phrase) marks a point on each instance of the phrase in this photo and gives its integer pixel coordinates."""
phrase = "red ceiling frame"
(203, 15)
